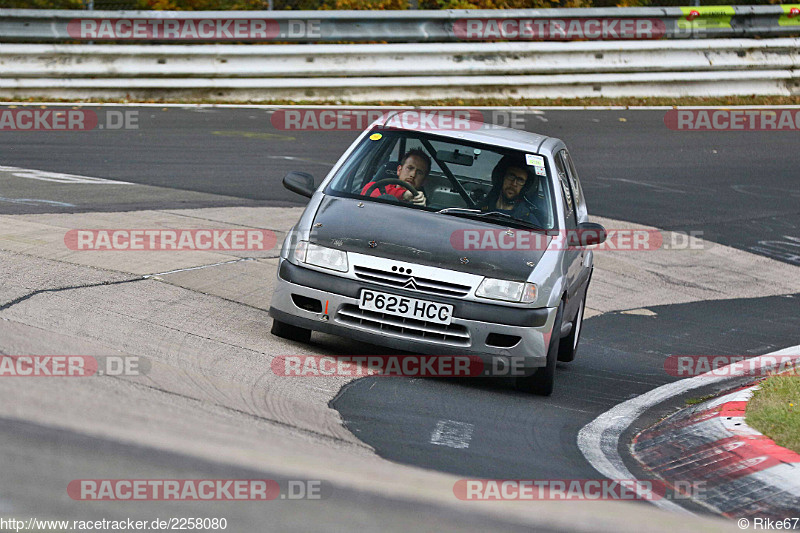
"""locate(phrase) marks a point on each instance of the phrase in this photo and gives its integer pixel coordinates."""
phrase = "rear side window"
(577, 189)
(566, 188)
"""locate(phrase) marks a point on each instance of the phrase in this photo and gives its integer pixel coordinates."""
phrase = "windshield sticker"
(534, 160)
(540, 171)
(375, 137)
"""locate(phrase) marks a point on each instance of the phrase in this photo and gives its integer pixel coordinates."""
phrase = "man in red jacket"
(413, 169)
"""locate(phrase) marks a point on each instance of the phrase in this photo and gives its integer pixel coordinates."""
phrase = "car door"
(573, 256)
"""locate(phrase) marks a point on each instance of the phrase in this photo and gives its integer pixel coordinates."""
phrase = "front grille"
(410, 328)
(414, 283)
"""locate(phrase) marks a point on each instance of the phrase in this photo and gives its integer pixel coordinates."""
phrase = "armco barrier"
(370, 73)
(17, 25)
(446, 59)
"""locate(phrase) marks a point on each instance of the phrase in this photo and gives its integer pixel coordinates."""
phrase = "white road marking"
(599, 439)
(148, 276)
(59, 177)
(786, 250)
(34, 201)
(644, 184)
(641, 312)
(304, 159)
(451, 433)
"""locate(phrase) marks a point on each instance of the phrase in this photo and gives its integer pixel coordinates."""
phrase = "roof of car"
(471, 130)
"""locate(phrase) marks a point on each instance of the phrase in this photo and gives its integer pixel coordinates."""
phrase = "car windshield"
(463, 179)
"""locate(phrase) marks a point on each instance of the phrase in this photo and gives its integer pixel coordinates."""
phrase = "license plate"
(392, 304)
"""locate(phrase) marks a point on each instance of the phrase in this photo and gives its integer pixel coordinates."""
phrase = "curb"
(732, 469)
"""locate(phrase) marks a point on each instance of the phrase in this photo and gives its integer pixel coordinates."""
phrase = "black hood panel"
(414, 236)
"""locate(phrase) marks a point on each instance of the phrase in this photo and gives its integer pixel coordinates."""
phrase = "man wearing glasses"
(511, 179)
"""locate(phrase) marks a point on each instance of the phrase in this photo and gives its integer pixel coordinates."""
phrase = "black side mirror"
(299, 182)
(590, 233)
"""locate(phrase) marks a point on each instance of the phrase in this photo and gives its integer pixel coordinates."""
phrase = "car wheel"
(541, 382)
(569, 344)
(288, 331)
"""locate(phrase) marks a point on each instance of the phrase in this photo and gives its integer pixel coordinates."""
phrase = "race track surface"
(211, 408)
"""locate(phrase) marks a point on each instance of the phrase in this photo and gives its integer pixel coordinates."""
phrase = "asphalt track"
(740, 189)
(66, 453)
(621, 356)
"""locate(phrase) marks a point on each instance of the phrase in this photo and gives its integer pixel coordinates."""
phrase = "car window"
(460, 176)
(566, 189)
(577, 189)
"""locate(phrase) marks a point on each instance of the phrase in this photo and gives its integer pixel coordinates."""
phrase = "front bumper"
(467, 334)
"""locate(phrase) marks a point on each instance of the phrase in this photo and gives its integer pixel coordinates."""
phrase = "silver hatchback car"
(469, 241)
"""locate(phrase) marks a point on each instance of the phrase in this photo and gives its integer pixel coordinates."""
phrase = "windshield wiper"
(477, 213)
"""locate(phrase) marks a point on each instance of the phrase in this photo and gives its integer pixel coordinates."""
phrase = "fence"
(370, 73)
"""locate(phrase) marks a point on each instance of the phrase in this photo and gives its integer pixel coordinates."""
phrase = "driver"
(413, 169)
(511, 179)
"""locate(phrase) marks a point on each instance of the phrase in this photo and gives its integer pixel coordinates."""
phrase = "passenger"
(413, 169)
(511, 179)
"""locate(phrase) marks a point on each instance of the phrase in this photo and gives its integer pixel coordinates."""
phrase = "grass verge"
(774, 410)
(695, 401)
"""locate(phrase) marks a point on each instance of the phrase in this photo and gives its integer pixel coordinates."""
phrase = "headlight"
(507, 291)
(320, 256)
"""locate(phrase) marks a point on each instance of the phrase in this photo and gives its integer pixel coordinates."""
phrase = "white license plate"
(392, 304)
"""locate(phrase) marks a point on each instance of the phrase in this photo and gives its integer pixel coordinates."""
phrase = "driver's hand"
(418, 199)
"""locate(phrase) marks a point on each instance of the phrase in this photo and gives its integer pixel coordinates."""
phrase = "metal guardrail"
(18, 25)
(370, 73)
(393, 60)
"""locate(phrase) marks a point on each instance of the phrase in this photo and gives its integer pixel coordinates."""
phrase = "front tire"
(542, 381)
(569, 344)
(290, 332)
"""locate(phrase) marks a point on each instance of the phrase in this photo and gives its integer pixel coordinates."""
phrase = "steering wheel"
(381, 185)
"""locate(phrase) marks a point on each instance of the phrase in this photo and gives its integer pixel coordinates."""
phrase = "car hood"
(426, 238)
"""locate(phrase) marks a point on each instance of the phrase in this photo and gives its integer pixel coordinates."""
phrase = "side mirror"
(299, 182)
(590, 233)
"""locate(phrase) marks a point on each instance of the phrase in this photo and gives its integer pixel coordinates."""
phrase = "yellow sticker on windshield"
(534, 160)
(375, 136)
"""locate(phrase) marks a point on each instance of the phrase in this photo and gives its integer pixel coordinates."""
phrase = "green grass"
(695, 401)
(774, 410)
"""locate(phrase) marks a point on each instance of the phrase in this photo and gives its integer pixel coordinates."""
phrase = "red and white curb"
(599, 440)
(732, 469)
